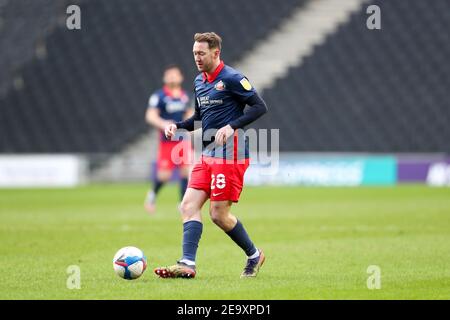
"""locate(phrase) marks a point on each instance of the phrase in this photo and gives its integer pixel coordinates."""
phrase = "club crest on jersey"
(219, 86)
(246, 84)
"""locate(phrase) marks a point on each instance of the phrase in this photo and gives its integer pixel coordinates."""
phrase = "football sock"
(192, 231)
(255, 255)
(183, 186)
(240, 236)
(188, 262)
(157, 186)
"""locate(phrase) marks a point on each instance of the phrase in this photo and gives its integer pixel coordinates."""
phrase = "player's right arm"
(152, 116)
(187, 124)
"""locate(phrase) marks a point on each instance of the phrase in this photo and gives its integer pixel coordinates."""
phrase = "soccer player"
(221, 93)
(168, 105)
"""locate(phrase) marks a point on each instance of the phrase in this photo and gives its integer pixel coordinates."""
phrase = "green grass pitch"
(318, 242)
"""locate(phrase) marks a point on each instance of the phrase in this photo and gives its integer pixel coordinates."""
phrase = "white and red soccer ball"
(129, 263)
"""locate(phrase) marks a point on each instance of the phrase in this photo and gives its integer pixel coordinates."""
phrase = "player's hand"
(170, 130)
(165, 123)
(223, 134)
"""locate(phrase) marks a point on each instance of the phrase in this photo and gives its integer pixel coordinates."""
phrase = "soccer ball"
(129, 263)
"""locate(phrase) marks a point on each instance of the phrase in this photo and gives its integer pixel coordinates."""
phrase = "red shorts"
(174, 153)
(219, 179)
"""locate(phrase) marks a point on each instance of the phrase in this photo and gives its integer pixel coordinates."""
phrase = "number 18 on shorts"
(218, 178)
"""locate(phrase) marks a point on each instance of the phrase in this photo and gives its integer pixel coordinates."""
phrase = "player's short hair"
(172, 66)
(212, 38)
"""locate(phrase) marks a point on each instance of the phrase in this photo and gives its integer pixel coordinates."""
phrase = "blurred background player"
(169, 104)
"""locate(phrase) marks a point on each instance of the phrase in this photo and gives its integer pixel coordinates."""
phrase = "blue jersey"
(170, 108)
(220, 99)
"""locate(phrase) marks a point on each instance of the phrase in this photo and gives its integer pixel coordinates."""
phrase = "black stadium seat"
(376, 91)
(89, 93)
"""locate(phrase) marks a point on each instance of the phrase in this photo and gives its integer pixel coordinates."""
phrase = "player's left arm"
(257, 107)
(189, 111)
(246, 94)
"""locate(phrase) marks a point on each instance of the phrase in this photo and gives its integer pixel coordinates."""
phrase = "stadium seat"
(89, 93)
(371, 91)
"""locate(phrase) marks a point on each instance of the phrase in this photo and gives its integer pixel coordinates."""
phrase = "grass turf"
(318, 242)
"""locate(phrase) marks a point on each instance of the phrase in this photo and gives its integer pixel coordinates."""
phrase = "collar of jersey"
(214, 74)
(169, 93)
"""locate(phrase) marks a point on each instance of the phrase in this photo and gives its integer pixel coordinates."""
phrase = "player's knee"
(164, 179)
(164, 175)
(184, 172)
(218, 220)
(218, 214)
(188, 208)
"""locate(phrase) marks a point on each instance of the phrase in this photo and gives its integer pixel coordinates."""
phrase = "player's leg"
(226, 186)
(161, 178)
(222, 217)
(190, 209)
(196, 195)
(184, 176)
(186, 155)
(220, 213)
(164, 168)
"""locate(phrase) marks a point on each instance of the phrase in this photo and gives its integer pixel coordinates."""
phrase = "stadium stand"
(360, 91)
(371, 91)
(23, 24)
(88, 93)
